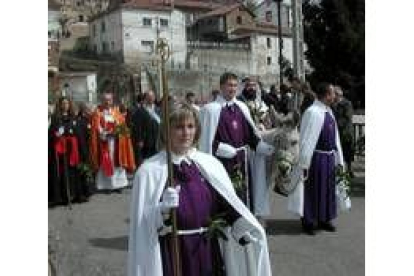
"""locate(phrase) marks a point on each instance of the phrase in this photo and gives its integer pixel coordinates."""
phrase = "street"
(91, 239)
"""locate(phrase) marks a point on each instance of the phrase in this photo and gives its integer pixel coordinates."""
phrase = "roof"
(207, 5)
(222, 10)
(166, 5)
(146, 4)
(153, 5)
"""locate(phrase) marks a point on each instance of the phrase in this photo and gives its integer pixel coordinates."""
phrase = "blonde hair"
(180, 112)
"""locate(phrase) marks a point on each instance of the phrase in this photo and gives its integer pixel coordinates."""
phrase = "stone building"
(267, 12)
(129, 31)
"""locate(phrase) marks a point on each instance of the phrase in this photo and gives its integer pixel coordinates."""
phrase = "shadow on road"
(283, 227)
(117, 243)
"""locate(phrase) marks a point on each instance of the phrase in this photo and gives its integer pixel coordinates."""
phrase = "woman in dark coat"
(64, 157)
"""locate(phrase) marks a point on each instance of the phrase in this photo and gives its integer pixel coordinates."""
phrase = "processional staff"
(163, 51)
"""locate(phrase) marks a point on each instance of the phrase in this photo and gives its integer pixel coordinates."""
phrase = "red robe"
(124, 155)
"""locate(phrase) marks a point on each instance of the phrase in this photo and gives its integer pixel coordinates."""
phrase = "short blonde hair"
(180, 112)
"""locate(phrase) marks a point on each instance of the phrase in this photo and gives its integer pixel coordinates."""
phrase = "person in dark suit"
(343, 111)
(145, 122)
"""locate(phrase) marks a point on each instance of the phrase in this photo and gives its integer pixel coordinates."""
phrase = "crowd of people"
(219, 170)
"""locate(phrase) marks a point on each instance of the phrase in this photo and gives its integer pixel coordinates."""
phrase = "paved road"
(91, 239)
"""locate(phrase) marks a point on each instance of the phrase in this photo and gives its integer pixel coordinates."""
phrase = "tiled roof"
(207, 5)
(150, 5)
(220, 11)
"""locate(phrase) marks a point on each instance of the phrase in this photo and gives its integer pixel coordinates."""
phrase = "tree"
(334, 31)
(250, 5)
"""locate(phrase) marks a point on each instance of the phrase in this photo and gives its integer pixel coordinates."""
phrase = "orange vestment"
(124, 151)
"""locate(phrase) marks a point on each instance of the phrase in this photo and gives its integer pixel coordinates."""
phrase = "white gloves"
(60, 131)
(247, 238)
(264, 148)
(226, 151)
(241, 231)
(170, 199)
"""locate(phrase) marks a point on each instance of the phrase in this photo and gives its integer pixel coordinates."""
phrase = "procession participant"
(190, 99)
(343, 111)
(253, 100)
(145, 123)
(273, 98)
(110, 146)
(314, 198)
(308, 97)
(214, 94)
(85, 169)
(286, 101)
(249, 91)
(228, 128)
(64, 157)
(203, 195)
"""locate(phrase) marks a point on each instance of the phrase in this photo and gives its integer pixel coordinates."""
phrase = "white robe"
(310, 129)
(119, 178)
(144, 257)
(209, 119)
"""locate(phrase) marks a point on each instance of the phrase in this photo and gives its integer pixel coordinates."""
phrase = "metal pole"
(164, 52)
(297, 30)
(279, 34)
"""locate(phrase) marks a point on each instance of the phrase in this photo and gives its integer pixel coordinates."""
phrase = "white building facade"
(265, 53)
(267, 12)
(131, 34)
(79, 86)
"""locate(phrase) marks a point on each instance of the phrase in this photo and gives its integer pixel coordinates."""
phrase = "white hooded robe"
(144, 257)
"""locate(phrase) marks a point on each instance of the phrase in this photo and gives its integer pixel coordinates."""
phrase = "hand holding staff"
(164, 53)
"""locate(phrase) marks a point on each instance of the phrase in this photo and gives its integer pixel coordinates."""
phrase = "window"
(94, 30)
(81, 18)
(269, 60)
(147, 46)
(269, 42)
(95, 48)
(239, 19)
(288, 16)
(49, 33)
(147, 21)
(103, 28)
(104, 47)
(112, 46)
(164, 22)
(268, 16)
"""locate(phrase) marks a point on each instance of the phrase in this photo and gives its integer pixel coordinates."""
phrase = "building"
(206, 39)
(129, 31)
(54, 34)
(82, 10)
(231, 37)
(79, 86)
(267, 12)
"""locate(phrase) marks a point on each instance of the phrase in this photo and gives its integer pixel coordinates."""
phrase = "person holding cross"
(209, 213)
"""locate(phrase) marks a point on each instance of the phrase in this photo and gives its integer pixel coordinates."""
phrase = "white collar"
(149, 106)
(178, 159)
(223, 102)
(322, 105)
